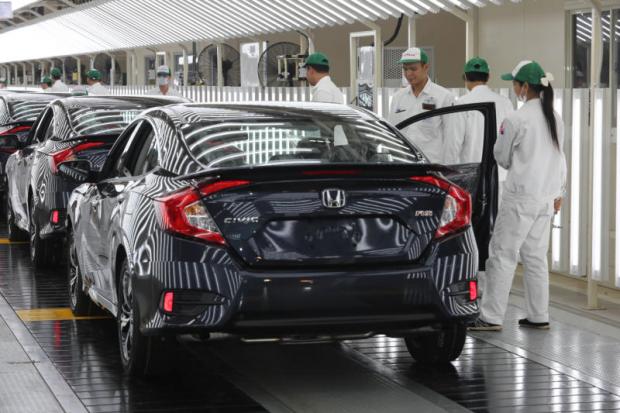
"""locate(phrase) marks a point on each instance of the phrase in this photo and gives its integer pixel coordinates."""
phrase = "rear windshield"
(310, 141)
(87, 121)
(25, 111)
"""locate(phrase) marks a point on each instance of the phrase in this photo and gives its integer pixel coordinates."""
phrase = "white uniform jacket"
(427, 135)
(466, 147)
(98, 89)
(59, 86)
(536, 167)
(326, 91)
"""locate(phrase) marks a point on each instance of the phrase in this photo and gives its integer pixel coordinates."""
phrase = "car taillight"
(69, 154)
(16, 129)
(473, 291)
(456, 213)
(168, 301)
(184, 212)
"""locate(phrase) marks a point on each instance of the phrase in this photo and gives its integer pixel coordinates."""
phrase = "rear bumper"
(378, 300)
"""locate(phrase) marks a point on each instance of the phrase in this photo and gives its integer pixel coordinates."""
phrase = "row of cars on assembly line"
(293, 221)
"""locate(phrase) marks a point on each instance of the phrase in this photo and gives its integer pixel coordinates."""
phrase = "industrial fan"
(231, 68)
(280, 65)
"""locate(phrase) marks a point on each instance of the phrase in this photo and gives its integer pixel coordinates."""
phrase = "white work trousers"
(521, 227)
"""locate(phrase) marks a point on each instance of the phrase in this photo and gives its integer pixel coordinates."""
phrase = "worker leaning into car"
(93, 78)
(317, 75)
(163, 83)
(530, 148)
(421, 95)
(58, 85)
(46, 83)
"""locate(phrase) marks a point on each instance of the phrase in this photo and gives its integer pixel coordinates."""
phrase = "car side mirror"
(10, 142)
(79, 170)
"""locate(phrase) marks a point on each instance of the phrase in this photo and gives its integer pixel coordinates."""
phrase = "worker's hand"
(557, 204)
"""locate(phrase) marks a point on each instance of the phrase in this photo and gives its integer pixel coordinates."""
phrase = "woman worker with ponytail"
(530, 148)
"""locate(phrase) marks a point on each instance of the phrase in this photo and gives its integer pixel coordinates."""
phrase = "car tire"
(441, 346)
(79, 302)
(14, 232)
(42, 252)
(141, 356)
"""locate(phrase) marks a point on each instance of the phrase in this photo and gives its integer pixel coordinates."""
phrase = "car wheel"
(441, 346)
(14, 232)
(79, 301)
(141, 356)
(41, 251)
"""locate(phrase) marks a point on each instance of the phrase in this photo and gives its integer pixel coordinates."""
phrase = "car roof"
(118, 102)
(204, 112)
(32, 97)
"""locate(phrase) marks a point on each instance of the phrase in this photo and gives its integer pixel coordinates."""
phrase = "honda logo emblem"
(333, 198)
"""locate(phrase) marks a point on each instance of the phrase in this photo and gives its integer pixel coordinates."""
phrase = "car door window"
(45, 127)
(140, 154)
(120, 151)
(146, 158)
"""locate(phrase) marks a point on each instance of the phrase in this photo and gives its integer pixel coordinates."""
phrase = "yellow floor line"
(52, 314)
(5, 241)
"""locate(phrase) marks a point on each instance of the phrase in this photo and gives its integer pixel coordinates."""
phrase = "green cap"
(56, 72)
(477, 64)
(93, 74)
(47, 79)
(530, 72)
(318, 59)
(414, 55)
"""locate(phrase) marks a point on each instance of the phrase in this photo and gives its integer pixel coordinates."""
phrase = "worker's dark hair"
(48, 82)
(56, 77)
(320, 68)
(546, 97)
(476, 77)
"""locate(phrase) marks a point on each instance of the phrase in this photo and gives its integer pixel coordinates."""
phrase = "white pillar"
(185, 67)
(220, 73)
(25, 78)
(112, 69)
(35, 81)
(411, 33)
(596, 57)
(471, 33)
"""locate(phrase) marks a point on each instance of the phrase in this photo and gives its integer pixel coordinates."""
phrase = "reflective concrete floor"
(566, 369)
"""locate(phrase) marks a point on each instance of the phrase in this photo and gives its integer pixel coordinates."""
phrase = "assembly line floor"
(52, 362)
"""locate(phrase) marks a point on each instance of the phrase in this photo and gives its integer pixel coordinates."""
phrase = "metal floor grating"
(487, 378)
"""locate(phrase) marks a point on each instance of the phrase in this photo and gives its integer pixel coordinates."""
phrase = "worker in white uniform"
(58, 85)
(317, 75)
(164, 87)
(530, 148)
(467, 147)
(421, 95)
(93, 78)
(46, 83)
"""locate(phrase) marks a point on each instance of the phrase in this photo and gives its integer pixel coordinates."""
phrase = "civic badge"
(333, 198)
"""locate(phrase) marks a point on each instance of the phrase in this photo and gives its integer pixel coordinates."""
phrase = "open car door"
(471, 123)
